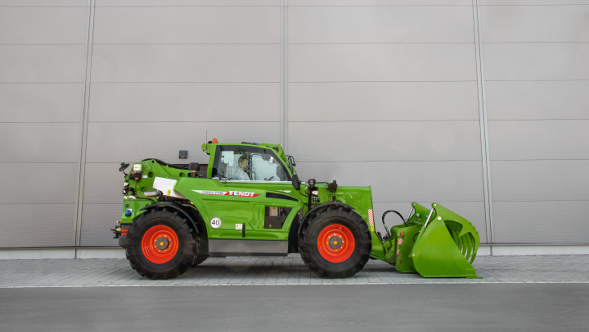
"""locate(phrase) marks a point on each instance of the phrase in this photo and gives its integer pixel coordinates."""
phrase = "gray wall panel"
(403, 181)
(550, 139)
(537, 70)
(97, 221)
(42, 63)
(40, 142)
(472, 211)
(186, 63)
(540, 180)
(540, 222)
(46, 25)
(381, 62)
(37, 225)
(103, 183)
(41, 102)
(120, 25)
(385, 141)
(39, 183)
(403, 24)
(185, 102)
(535, 24)
(162, 140)
(542, 100)
(536, 61)
(383, 101)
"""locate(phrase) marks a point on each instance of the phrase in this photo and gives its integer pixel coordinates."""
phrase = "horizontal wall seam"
(559, 159)
(163, 82)
(81, 82)
(381, 120)
(290, 6)
(193, 43)
(38, 162)
(539, 201)
(408, 201)
(195, 121)
(535, 42)
(383, 43)
(30, 203)
(40, 122)
(506, 120)
(106, 82)
(43, 44)
(431, 81)
(388, 161)
(541, 80)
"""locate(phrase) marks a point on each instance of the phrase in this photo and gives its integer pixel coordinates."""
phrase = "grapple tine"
(454, 234)
(462, 245)
(468, 241)
(475, 249)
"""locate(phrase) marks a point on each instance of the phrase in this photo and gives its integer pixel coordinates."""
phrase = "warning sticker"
(371, 220)
(227, 193)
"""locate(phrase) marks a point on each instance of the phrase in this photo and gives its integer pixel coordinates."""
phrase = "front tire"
(160, 245)
(335, 243)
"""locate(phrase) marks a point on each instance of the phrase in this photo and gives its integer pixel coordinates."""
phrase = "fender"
(177, 208)
(315, 209)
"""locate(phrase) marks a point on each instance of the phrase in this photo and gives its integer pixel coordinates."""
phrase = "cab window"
(246, 163)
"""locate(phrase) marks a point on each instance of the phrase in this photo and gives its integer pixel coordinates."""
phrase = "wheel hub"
(335, 242)
(162, 243)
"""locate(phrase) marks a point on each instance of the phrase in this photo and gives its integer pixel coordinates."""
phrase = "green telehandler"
(251, 202)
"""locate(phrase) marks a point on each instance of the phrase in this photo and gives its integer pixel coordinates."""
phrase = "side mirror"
(296, 183)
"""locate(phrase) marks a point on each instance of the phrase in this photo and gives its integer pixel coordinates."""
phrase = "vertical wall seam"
(487, 192)
(284, 76)
(84, 126)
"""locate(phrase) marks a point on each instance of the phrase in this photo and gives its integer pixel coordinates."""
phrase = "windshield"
(246, 163)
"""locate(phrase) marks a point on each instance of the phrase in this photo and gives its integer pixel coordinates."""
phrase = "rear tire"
(160, 245)
(199, 259)
(335, 243)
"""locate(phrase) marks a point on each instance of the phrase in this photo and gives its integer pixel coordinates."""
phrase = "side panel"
(222, 248)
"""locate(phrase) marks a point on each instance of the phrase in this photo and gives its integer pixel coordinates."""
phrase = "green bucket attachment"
(433, 243)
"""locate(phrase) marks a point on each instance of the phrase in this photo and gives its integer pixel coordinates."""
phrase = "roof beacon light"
(215, 141)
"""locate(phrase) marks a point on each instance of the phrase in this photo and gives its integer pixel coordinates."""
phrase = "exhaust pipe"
(156, 193)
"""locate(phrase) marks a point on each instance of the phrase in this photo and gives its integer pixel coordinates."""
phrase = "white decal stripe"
(209, 192)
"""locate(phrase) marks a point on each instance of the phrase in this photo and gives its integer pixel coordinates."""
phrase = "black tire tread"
(199, 259)
(188, 252)
(363, 247)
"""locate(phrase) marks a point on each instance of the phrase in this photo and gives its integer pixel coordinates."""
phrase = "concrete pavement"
(291, 270)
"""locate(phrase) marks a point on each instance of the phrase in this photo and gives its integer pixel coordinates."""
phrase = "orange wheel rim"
(336, 243)
(159, 244)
